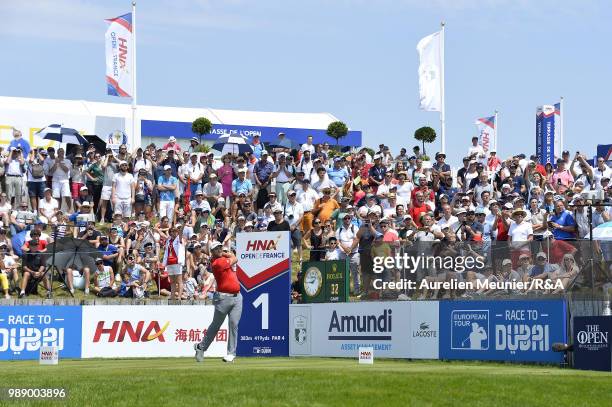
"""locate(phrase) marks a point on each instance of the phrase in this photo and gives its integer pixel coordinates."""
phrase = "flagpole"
(496, 127)
(135, 140)
(442, 117)
(561, 114)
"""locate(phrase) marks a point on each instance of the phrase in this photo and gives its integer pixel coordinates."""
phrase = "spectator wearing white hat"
(213, 190)
(193, 144)
(376, 174)
(83, 195)
(48, 206)
(519, 234)
(242, 185)
(172, 145)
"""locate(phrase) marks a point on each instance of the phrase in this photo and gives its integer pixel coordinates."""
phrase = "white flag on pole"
(430, 75)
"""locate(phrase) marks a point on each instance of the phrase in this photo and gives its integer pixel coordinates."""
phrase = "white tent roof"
(180, 114)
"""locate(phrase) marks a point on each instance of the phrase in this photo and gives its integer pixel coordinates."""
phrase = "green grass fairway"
(308, 382)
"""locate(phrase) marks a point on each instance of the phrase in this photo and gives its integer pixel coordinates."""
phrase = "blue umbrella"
(231, 144)
(66, 135)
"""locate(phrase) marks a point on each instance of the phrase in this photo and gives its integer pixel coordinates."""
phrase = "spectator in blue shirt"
(258, 147)
(241, 184)
(542, 266)
(108, 251)
(263, 169)
(337, 174)
(562, 221)
(19, 141)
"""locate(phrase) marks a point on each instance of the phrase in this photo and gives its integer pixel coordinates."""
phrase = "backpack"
(36, 169)
(107, 292)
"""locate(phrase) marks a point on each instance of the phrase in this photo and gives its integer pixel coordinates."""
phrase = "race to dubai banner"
(119, 48)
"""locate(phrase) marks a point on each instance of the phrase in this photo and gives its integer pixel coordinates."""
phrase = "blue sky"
(353, 58)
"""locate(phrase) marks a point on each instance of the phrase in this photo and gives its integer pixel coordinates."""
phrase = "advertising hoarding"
(519, 331)
(148, 331)
(25, 329)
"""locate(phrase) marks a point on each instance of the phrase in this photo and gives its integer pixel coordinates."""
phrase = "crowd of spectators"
(155, 207)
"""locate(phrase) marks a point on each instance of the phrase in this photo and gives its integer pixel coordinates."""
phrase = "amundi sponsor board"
(341, 329)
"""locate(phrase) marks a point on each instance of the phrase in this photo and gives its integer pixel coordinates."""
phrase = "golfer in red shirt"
(227, 301)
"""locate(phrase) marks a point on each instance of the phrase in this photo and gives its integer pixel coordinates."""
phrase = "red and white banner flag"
(119, 49)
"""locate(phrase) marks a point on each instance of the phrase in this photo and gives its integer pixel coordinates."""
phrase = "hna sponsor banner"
(148, 331)
(261, 256)
(592, 343)
(119, 49)
(392, 329)
(486, 132)
(521, 331)
(25, 329)
(264, 272)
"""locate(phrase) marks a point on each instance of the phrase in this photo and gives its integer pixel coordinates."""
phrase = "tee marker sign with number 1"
(264, 272)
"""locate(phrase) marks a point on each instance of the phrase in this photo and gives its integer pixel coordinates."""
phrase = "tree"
(201, 126)
(337, 130)
(202, 148)
(425, 135)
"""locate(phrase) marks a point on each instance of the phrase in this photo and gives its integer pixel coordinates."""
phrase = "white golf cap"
(167, 167)
(122, 162)
(171, 138)
(214, 245)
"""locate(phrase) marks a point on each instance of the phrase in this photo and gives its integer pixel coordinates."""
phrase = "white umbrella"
(231, 144)
(603, 231)
(66, 135)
